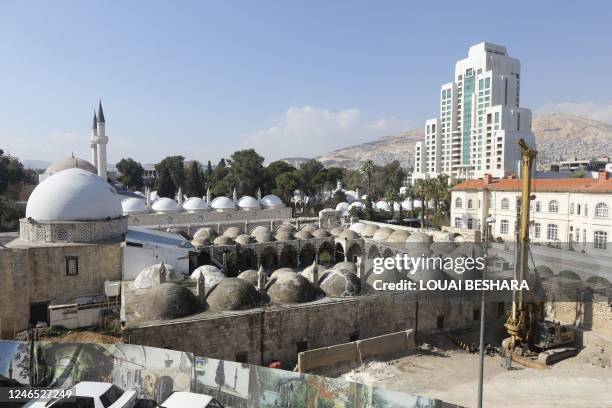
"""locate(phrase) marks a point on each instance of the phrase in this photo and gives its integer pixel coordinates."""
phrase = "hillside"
(557, 136)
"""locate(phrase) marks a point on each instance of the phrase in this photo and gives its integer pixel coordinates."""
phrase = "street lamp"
(488, 223)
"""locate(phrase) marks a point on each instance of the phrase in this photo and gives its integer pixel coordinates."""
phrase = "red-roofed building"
(575, 210)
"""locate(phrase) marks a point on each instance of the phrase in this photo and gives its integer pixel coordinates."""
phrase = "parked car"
(89, 394)
(191, 400)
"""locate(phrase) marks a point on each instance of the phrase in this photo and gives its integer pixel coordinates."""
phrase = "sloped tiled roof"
(578, 185)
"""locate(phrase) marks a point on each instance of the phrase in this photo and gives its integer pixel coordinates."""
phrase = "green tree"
(171, 175)
(367, 168)
(286, 184)
(165, 185)
(194, 180)
(272, 171)
(11, 171)
(131, 173)
(247, 171)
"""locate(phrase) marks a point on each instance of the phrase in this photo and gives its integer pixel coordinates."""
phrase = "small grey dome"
(169, 301)
(290, 287)
(337, 231)
(340, 283)
(234, 294)
(264, 237)
(369, 230)
(260, 229)
(348, 266)
(205, 235)
(348, 234)
(382, 234)
(223, 240)
(321, 233)
(418, 237)
(281, 270)
(285, 227)
(387, 276)
(303, 234)
(398, 236)
(232, 232)
(442, 247)
(244, 239)
(309, 228)
(284, 235)
(250, 275)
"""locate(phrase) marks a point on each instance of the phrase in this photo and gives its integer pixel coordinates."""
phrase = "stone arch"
(567, 274)
(353, 252)
(387, 253)
(339, 252)
(247, 259)
(599, 280)
(287, 257)
(307, 254)
(326, 253)
(269, 258)
(373, 252)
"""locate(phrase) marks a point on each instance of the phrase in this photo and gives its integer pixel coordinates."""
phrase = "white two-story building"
(572, 212)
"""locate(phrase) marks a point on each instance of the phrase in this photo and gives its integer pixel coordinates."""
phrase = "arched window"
(552, 232)
(600, 240)
(458, 203)
(504, 226)
(553, 206)
(458, 222)
(470, 203)
(505, 204)
(538, 206)
(601, 210)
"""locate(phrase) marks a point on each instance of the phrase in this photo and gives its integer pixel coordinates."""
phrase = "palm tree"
(391, 198)
(367, 168)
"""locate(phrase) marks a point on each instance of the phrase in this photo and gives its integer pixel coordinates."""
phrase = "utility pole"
(488, 222)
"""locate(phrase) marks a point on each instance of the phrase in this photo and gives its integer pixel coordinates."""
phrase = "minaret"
(102, 142)
(93, 143)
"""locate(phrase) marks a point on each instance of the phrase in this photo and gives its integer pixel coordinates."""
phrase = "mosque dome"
(310, 227)
(134, 205)
(407, 205)
(244, 239)
(358, 227)
(74, 195)
(340, 283)
(343, 206)
(168, 301)
(285, 227)
(222, 204)
(303, 234)
(71, 163)
(204, 235)
(260, 229)
(397, 207)
(351, 196)
(307, 272)
(264, 237)
(232, 232)
(348, 234)
(212, 275)
(165, 205)
(290, 287)
(356, 204)
(442, 248)
(441, 236)
(347, 266)
(272, 201)
(233, 294)
(223, 240)
(321, 233)
(387, 276)
(149, 276)
(418, 237)
(281, 270)
(284, 235)
(195, 204)
(369, 230)
(248, 203)
(383, 205)
(398, 236)
(382, 234)
(337, 231)
(250, 275)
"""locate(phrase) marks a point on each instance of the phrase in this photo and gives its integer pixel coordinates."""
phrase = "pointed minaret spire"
(235, 196)
(94, 127)
(100, 112)
(261, 278)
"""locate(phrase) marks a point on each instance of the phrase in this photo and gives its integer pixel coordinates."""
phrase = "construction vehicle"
(530, 334)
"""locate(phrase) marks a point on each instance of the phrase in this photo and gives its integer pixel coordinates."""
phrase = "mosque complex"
(226, 277)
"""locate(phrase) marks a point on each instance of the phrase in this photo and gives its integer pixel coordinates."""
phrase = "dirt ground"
(439, 369)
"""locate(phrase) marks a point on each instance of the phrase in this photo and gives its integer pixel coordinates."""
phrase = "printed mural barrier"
(155, 373)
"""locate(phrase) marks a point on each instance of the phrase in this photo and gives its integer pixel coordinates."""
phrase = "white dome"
(272, 201)
(351, 196)
(212, 275)
(342, 207)
(165, 205)
(134, 205)
(71, 163)
(194, 204)
(396, 207)
(356, 204)
(358, 227)
(154, 196)
(383, 205)
(407, 205)
(73, 195)
(248, 203)
(149, 276)
(222, 204)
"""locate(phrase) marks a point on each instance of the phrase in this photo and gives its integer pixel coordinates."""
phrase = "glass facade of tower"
(468, 91)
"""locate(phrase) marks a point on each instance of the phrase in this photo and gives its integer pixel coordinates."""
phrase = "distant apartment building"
(480, 119)
(565, 212)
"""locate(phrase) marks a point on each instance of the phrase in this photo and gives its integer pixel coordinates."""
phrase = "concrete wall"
(273, 333)
(37, 274)
(354, 353)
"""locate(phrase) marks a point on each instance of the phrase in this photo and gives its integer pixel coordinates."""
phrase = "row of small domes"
(162, 205)
(381, 205)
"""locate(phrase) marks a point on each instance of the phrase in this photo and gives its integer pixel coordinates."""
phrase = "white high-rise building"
(480, 120)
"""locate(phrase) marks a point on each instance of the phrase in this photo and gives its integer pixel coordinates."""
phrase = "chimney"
(261, 279)
(201, 287)
(602, 176)
(488, 179)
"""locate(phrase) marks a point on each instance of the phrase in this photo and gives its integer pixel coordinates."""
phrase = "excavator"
(533, 341)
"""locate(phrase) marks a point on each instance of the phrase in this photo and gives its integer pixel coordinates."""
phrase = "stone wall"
(274, 333)
(37, 274)
(207, 217)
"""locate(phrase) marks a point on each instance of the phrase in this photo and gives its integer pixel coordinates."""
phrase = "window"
(469, 203)
(458, 203)
(577, 234)
(470, 223)
(505, 204)
(72, 266)
(551, 232)
(553, 206)
(109, 397)
(600, 240)
(572, 208)
(504, 226)
(538, 206)
(536, 230)
(583, 236)
(458, 222)
(601, 210)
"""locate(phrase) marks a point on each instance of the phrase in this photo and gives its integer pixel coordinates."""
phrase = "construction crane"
(530, 334)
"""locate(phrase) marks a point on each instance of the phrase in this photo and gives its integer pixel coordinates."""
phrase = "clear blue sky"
(289, 78)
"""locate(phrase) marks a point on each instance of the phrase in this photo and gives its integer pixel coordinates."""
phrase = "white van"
(191, 400)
